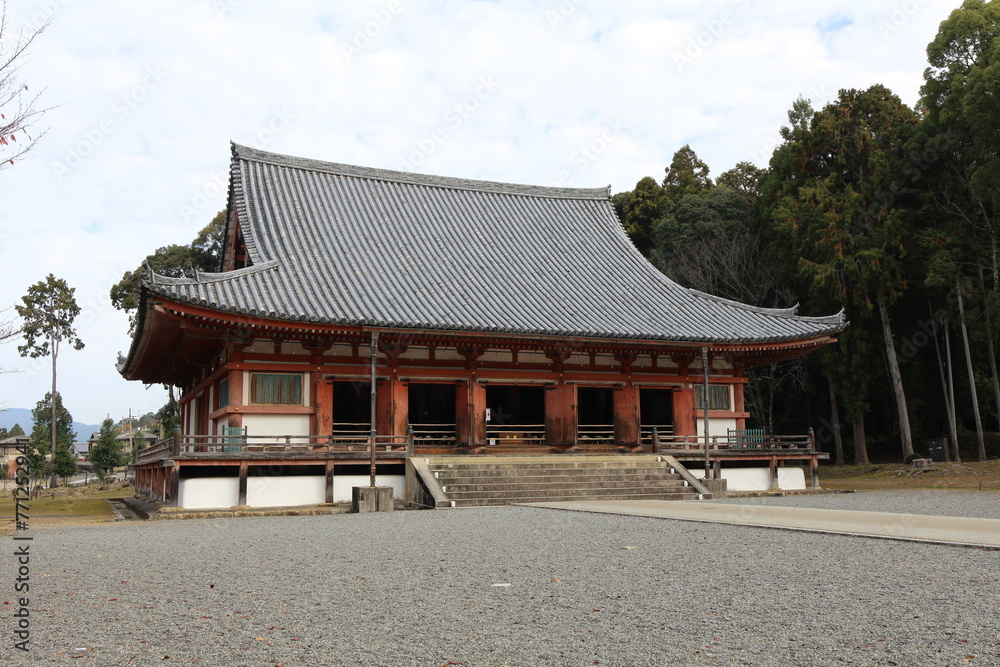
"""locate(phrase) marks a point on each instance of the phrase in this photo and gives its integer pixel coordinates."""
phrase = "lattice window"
(223, 393)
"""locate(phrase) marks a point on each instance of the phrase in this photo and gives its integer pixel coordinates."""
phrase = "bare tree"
(19, 106)
(9, 330)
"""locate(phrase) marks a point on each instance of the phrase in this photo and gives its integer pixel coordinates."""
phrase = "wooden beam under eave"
(171, 355)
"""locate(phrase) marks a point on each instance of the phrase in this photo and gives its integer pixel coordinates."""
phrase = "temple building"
(505, 319)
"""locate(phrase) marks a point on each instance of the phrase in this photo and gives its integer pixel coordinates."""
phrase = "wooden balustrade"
(337, 442)
(434, 434)
(515, 434)
(734, 443)
(595, 434)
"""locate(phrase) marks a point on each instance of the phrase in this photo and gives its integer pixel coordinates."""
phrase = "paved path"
(923, 528)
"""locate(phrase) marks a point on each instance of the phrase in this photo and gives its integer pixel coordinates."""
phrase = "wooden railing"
(154, 452)
(646, 432)
(515, 434)
(336, 442)
(737, 443)
(595, 434)
(443, 435)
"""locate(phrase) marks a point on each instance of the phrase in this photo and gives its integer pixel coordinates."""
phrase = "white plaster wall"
(757, 479)
(715, 426)
(276, 425)
(791, 478)
(209, 492)
(263, 491)
(342, 485)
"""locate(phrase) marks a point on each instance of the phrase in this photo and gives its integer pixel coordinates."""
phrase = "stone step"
(516, 486)
(596, 496)
(626, 478)
(543, 472)
(560, 470)
(468, 481)
(575, 464)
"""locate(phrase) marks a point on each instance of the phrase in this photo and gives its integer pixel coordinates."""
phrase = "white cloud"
(153, 92)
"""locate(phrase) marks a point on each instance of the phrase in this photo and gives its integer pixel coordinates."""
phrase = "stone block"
(371, 499)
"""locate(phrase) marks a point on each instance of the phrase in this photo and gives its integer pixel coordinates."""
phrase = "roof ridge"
(256, 155)
(201, 277)
(838, 318)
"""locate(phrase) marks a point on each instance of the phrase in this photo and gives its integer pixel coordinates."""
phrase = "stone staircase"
(470, 481)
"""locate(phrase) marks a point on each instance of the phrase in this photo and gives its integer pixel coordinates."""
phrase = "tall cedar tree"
(838, 213)
(961, 96)
(48, 311)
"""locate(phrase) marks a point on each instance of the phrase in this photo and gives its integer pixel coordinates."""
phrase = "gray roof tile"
(341, 244)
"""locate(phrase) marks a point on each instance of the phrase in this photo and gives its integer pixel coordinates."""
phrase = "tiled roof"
(339, 244)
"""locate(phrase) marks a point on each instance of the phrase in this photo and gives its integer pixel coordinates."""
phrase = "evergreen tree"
(106, 453)
(686, 175)
(838, 212)
(61, 463)
(49, 310)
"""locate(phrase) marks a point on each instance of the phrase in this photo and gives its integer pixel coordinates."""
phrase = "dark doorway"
(595, 415)
(352, 407)
(432, 413)
(515, 415)
(656, 410)
(432, 403)
(595, 406)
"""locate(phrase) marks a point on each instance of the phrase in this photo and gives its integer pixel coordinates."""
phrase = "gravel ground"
(420, 588)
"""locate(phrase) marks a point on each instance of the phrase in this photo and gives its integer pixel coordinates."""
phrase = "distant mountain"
(22, 416)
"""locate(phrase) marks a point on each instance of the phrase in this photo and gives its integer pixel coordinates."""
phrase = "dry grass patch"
(62, 507)
(900, 476)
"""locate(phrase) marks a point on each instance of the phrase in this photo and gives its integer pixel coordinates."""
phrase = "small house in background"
(490, 318)
(133, 440)
(9, 453)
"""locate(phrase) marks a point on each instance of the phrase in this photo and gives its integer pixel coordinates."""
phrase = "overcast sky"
(148, 95)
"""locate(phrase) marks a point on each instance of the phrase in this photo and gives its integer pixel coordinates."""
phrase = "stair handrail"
(696, 483)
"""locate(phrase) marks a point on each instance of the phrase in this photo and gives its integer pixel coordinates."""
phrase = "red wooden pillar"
(739, 405)
(235, 418)
(684, 406)
(627, 416)
(560, 415)
(329, 482)
(174, 483)
(470, 414)
(322, 393)
(392, 404)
